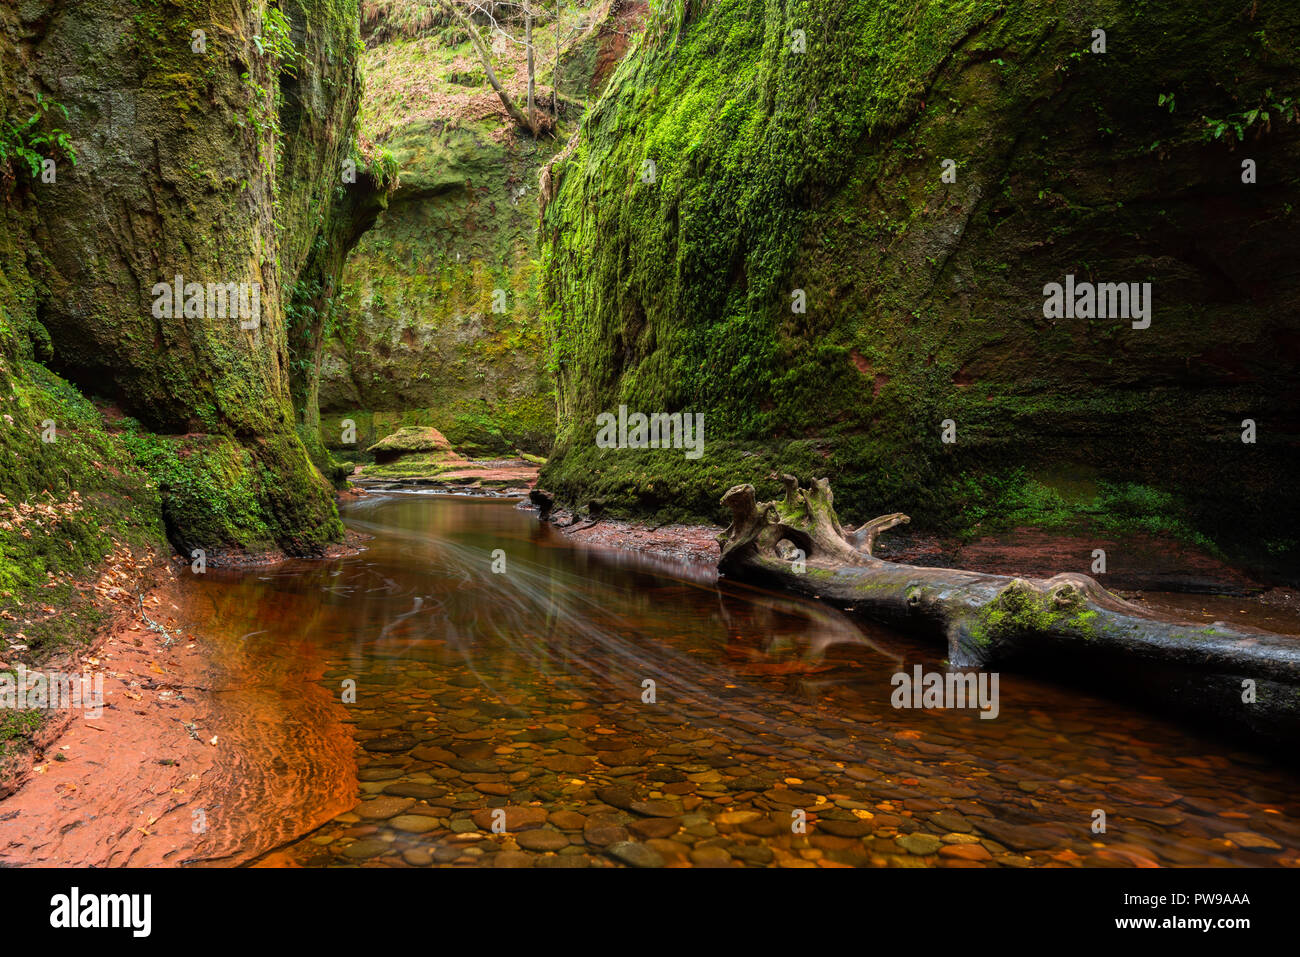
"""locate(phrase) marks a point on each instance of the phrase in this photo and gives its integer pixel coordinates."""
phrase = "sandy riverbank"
(193, 759)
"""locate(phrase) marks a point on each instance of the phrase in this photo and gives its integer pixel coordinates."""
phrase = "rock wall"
(418, 340)
(440, 323)
(208, 141)
(801, 271)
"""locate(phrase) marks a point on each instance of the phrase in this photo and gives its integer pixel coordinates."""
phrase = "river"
(623, 711)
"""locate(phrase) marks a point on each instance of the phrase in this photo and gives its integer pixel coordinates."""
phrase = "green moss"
(1080, 501)
(1018, 609)
(1085, 622)
(64, 506)
(777, 171)
(16, 727)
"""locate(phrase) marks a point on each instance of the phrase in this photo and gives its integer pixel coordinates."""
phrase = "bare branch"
(485, 56)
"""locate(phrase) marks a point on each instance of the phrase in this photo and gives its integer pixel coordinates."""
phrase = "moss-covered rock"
(209, 142)
(440, 313)
(414, 440)
(785, 178)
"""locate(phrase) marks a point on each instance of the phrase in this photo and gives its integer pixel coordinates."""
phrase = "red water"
(771, 739)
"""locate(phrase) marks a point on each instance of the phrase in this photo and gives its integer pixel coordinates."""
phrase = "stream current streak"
(619, 711)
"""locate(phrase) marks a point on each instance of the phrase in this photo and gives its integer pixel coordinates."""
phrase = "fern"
(25, 144)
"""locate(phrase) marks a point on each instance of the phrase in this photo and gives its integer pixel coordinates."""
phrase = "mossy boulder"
(425, 442)
(217, 160)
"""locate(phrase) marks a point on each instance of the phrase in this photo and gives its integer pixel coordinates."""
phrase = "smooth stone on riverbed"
(512, 859)
(1161, 816)
(414, 823)
(429, 752)
(1252, 842)
(391, 743)
(366, 848)
(378, 774)
(965, 852)
(753, 853)
(655, 808)
(654, 827)
(733, 818)
(618, 797)
(1020, 837)
(710, 857)
(854, 828)
(517, 818)
(951, 821)
(634, 854)
(568, 763)
(541, 839)
(568, 820)
(382, 808)
(919, 844)
(605, 834)
(411, 790)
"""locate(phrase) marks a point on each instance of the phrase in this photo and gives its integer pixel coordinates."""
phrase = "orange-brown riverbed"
(770, 741)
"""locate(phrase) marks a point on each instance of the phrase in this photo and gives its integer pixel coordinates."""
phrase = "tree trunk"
(555, 73)
(485, 56)
(532, 79)
(985, 619)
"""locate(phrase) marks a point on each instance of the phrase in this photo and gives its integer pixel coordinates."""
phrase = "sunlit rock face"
(830, 229)
(439, 323)
(209, 142)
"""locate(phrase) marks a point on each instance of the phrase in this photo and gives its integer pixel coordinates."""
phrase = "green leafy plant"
(25, 143)
(1286, 109)
(277, 41)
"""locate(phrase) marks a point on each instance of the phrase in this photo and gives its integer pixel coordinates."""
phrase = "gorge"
(305, 303)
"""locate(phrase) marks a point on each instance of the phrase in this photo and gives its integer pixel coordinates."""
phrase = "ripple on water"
(499, 721)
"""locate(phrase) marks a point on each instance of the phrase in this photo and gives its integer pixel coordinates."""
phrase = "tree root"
(799, 544)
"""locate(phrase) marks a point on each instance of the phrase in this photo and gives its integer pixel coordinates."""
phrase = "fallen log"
(1225, 673)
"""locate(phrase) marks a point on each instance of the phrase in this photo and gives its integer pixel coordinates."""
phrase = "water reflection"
(529, 689)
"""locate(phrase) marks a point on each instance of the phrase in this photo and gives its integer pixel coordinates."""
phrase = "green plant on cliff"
(1284, 109)
(278, 42)
(23, 144)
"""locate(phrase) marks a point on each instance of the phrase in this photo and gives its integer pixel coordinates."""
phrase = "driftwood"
(986, 620)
